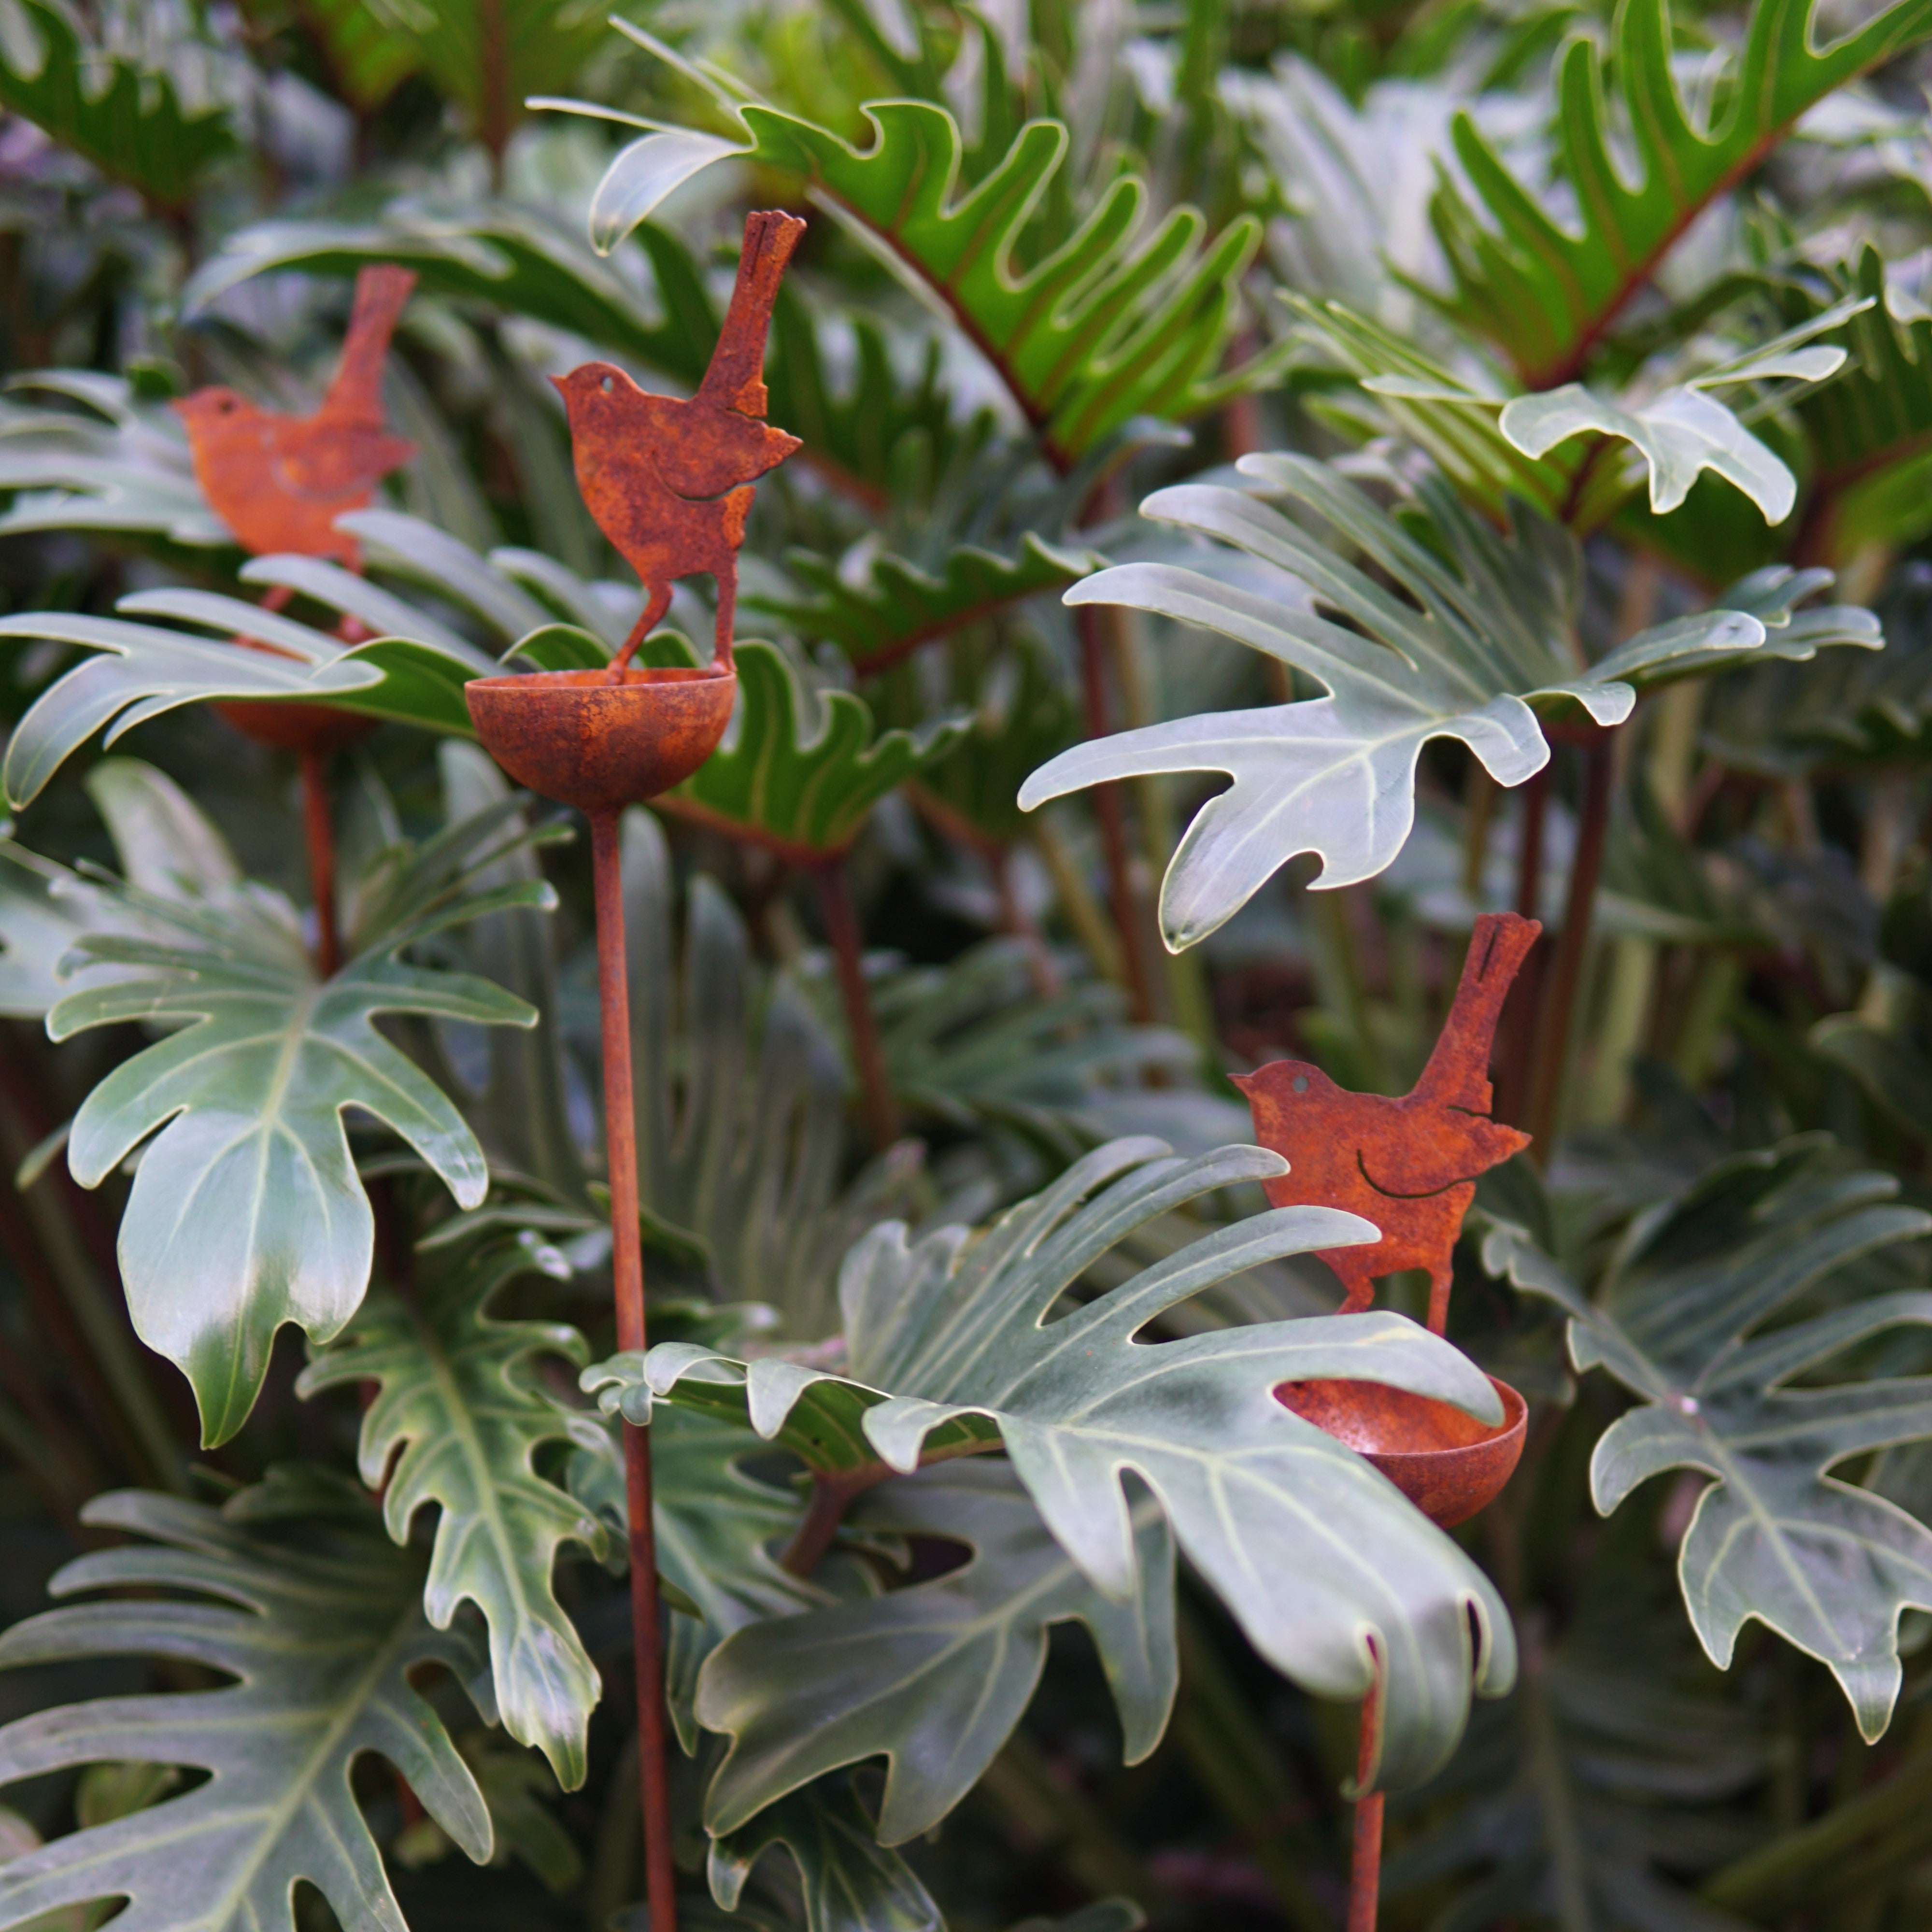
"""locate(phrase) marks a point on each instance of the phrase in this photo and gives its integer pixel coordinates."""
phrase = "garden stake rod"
(669, 482)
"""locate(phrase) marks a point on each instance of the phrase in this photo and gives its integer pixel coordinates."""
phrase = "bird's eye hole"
(607, 385)
(1301, 1083)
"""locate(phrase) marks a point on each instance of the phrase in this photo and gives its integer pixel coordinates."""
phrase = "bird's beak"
(562, 386)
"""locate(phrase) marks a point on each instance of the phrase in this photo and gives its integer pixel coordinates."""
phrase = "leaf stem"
(1109, 807)
(1558, 1002)
(831, 1497)
(841, 929)
(627, 1269)
(318, 828)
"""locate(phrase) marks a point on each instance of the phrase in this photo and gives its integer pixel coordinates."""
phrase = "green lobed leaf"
(847, 1878)
(133, 128)
(934, 1676)
(293, 1592)
(1107, 325)
(1545, 293)
(1677, 1320)
(799, 772)
(1481, 631)
(948, 1352)
(458, 1418)
(246, 1210)
(740, 1101)
(899, 607)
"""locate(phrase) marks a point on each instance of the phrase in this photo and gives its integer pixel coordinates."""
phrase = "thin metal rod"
(842, 927)
(1365, 1873)
(319, 827)
(627, 1271)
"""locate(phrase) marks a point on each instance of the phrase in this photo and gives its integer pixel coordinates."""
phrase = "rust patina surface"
(1409, 1165)
(1448, 1464)
(667, 478)
(576, 737)
(279, 482)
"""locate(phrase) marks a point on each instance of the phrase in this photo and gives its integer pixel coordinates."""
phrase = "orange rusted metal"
(279, 482)
(1408, 1164)
(577, 737)
(1448, 1464)
(668, 479)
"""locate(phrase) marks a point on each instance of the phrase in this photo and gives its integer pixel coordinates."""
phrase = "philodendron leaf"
(1829, 1566)
(933, 1678)
(740, 1102)
(320, 1622)
(246, 1210)
(1107, 324)
(122, 468)
(459, 1416)
(897, 606)
(1484, 634)
(847, 1878)
(949, 1351)
(127, 120)
(1684, 430)
(718, 1528)
(1545, 289)
(799, 773)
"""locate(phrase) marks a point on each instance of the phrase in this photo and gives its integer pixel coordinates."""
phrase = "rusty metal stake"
(1365, 1869)
(627, 1275)
(318, 826)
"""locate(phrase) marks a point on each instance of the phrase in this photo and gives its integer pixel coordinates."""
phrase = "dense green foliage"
(1275, 482)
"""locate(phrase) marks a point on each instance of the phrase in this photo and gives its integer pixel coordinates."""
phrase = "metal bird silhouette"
(668, 479)
(280, 482)
(1408, 1164)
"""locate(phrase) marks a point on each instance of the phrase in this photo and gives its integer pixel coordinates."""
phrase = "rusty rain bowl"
(1447, 1463)
(585, 739)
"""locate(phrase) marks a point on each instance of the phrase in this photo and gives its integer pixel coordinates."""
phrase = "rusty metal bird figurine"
(669, 479)
(280, 482)
(1408, 1164)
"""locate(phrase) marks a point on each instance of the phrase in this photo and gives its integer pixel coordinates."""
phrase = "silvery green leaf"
(652, 167)
(1679, 434)
(847, 1878)
(933, 1677)
(246, 1210)
(458, 1417)
(1336, 776)
(948, 1352)
(1829, 1566)
(319, 1621)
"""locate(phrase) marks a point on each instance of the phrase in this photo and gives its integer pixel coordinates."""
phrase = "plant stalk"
(1559, 994)
(318, 828)
(1513, 1069)
(842, 927)
(627, 1271)
(1110, 807)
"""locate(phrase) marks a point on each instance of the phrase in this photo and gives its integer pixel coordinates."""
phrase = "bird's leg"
(726, 580)
(1439, 1279)
(654, 610)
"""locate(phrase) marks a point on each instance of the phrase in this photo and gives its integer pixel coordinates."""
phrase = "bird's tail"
(735, 380)
(356, 389)
(1457, 1074)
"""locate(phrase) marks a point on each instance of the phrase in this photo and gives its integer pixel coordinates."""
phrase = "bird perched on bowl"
(1408, 1164)
(280, 482)
(668, 478)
